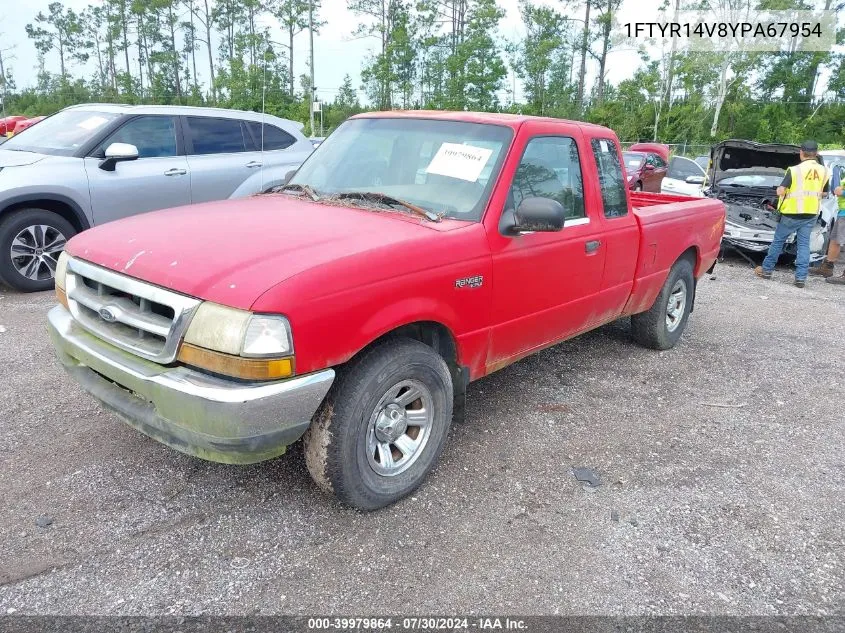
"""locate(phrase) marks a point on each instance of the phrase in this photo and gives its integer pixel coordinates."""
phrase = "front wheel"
(31, 241)
(662, 325)
(382, 426)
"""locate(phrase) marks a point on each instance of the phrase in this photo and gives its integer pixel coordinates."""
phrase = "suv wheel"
(31, 241)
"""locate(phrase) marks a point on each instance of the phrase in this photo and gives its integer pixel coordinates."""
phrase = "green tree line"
(437, 54)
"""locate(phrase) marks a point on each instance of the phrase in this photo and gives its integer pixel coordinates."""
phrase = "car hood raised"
(233, 251)
(734, 154)
(13, 158)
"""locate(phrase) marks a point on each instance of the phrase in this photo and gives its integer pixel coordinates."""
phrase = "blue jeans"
(786, 227)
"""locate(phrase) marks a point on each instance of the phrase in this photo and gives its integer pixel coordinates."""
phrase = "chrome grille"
(133, 315)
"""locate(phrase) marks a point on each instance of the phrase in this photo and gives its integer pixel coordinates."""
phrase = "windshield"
(633, 160)
(444, 167)
(61, 134)
(681, 168)
(753, 180)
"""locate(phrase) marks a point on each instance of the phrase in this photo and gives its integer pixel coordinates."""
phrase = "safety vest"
(836, 181)
(805, 191)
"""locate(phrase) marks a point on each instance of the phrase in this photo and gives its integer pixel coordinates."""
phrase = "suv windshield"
(61, 134)
(444, 167)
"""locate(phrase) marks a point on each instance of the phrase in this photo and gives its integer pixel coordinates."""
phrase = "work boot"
(800, 283)
(825, 269)
(839, 281)
(762, 273)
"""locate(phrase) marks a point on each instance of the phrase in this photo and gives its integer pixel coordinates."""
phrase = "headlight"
(239, 343)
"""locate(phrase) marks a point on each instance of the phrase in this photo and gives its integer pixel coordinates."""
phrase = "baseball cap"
(809, 146)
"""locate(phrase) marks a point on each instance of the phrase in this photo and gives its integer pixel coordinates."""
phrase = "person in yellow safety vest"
(800, 201)
(837, 233)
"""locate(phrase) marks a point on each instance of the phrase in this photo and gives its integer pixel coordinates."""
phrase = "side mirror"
(116, 153)
(288, 176)
(695, 180)
(533, 214)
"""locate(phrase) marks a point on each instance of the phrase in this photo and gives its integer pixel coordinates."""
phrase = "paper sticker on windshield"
(459, 161)
(92, 122)
(603, 145)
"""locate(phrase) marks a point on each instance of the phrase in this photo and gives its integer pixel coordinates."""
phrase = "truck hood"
(233, 251)
(13, 158)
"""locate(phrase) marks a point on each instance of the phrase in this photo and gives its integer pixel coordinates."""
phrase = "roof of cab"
(494, 118)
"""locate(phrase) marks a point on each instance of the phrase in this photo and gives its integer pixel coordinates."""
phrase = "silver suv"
(94, 163)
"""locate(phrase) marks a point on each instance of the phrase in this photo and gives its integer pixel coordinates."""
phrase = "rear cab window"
(612, 181)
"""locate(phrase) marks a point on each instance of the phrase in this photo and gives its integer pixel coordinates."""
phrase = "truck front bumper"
(209, 417)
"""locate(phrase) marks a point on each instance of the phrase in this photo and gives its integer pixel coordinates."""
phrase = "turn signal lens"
(267, 335)
(236, 366)
(61, 296)
(61, 270)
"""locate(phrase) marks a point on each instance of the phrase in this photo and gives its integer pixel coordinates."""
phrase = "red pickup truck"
(411, 254)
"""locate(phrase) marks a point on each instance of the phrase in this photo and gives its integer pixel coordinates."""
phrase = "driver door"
(544, 283)
(157, 179)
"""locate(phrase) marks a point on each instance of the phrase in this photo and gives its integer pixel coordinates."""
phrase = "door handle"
(592, 246)
(176, 172)
(253, 164)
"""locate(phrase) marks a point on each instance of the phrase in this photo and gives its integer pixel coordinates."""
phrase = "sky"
(336, 51)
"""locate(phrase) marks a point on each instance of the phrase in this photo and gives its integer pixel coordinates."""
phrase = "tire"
(348, 442)
(29, 230)
(658, 328)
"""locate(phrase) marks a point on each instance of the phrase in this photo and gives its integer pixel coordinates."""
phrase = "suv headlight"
(238, 343)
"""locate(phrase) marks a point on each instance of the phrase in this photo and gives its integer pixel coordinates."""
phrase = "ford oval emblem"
(107, 315)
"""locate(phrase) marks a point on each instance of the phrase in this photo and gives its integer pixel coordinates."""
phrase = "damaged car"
(745, 176)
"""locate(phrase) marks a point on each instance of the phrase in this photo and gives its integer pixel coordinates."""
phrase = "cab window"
(154, 136)
(611, 178)
(550, 168)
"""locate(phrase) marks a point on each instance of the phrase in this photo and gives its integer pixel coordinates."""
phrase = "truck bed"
(671, 225)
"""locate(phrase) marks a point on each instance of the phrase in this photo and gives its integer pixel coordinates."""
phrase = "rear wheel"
(31, 241)
(383, 425)
(662, 325)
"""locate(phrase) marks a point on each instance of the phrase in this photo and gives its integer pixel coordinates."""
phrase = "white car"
(684, 177)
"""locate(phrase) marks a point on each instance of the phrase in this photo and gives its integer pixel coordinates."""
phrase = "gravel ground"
(703, 509)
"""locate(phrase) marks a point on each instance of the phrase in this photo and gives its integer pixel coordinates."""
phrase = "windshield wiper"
(385, 199)
(306, 189)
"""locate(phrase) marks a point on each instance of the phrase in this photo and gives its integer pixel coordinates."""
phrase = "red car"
(7, 124)
(412, 253)
(645, 170)
(20, 126)
(661, 149)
